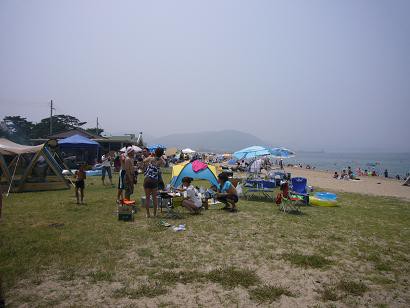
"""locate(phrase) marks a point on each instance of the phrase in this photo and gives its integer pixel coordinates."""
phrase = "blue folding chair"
(298, 188)
(268, 189)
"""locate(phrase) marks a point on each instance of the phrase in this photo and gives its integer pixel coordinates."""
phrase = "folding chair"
(299, 189)
(268, 189)
(287, 203)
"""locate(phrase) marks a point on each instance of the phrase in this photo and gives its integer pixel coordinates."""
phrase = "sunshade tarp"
(188, 151)
(185, 170)
(78, 142)
(8, 147)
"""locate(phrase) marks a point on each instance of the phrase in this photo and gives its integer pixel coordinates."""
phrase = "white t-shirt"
(105, 162)
(192, 194)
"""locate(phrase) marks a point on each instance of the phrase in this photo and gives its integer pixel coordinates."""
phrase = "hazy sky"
(331, 75)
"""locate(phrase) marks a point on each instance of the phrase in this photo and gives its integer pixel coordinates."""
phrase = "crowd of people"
(130, 164)
(350, 175)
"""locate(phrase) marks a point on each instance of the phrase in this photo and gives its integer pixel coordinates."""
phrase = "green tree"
(17, 128)
(61, 122)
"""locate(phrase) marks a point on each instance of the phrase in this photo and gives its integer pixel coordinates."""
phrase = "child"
(80, 177)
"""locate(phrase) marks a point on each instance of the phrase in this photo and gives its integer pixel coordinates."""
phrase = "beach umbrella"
(134, 147)
(153, 147)
(188, 151)
(282, 153)
(252, 152)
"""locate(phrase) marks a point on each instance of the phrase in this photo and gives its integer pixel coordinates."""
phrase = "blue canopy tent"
(81, 147)
(181, 171)
(153, 147)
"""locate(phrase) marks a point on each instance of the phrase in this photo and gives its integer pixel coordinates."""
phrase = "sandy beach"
(377, 186)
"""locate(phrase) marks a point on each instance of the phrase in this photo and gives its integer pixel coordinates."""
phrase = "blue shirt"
(227, 185)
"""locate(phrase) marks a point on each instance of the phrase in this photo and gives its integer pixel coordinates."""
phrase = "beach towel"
(198, 166)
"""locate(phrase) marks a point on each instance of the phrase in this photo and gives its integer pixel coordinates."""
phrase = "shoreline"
(368, 185)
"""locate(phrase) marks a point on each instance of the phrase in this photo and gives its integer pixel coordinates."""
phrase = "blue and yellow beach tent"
(185, 169)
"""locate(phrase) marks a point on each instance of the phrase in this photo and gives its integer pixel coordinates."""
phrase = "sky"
(331, 75)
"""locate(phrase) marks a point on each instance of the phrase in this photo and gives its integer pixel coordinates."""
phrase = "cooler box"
(125, 213)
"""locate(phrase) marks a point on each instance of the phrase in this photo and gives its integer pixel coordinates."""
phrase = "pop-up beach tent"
(195, 170)
(29, 168)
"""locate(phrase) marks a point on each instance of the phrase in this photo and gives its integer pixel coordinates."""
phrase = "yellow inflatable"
(322, 202)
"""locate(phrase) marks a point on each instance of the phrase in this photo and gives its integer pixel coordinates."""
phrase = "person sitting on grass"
(80, 177)
(192, 201)
(227, 193)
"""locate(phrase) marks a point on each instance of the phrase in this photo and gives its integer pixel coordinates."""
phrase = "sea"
(395, 163)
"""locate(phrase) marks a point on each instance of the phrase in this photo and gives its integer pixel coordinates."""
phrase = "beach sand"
(377, 186)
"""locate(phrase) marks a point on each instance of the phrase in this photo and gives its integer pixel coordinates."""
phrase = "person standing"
(386, 173)
(129, 173)
(152, 167)
(80, 177)
(121, 179)
(106, 167)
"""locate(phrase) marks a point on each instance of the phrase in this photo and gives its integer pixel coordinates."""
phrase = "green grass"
(352, 287)
(314, 261)
(329, 294)
(47, 240)
(268, 293)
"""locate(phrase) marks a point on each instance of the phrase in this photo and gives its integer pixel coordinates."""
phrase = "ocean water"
(395, 163)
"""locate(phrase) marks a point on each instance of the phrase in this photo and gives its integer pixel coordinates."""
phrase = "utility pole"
(97, 126)
(51, 117)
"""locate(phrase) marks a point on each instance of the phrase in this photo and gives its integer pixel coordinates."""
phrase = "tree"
(61, 123)
(17, 128)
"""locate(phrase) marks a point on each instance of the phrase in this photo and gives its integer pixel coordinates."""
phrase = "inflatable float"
(323, 199)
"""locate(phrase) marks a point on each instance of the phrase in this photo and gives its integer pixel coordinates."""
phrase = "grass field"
(55, 252)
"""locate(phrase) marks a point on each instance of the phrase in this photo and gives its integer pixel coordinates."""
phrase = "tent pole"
(12, 178)
(4, 167)
(56, 171)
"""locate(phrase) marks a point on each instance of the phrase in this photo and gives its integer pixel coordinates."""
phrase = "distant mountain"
(213, 141)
